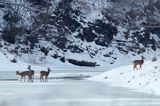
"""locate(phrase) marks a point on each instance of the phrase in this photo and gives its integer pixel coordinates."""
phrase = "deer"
(154, 59)
(138, 62)
(31, 72)
(44, 73)
(23, 75)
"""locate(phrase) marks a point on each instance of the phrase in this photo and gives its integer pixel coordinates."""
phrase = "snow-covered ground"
(71, 93)
(145, 80)
(67, 87)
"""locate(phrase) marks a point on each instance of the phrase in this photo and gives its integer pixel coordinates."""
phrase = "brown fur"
(44, 74)
(23, 75)
(31, 72)
(138, 62)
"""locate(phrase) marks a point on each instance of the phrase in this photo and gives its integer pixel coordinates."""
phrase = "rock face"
(82, 63)
(96, 29)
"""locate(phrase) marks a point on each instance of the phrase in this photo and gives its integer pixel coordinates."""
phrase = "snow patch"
(145, 80)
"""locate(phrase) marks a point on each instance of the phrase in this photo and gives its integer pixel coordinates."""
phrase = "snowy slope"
(93, 30)
(145, 80)
(55, 65)
(7, 65)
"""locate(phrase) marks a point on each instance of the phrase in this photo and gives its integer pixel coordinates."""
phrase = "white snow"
(70, 93)
(7, 65)
(143, 80)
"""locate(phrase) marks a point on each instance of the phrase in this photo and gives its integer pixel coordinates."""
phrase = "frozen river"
(69, 91)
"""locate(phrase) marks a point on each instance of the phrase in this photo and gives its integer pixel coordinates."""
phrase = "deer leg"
(28, 79)
(21, 78)
(140, 66)
(32, 77)
(43, 79)
(40, 78)
(135, 66)
(46, 79)
(24, 79)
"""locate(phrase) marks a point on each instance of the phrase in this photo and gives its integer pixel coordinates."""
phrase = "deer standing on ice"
(23, 75)
(44, 73)
(138, 62)
(31, 72)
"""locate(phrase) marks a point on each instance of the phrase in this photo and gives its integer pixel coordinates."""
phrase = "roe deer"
(138, 62)
(31, 72)
(23, 74)
(44, 73)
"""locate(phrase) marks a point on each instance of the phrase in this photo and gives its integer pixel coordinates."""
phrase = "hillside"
(145, 80)
(79, 32)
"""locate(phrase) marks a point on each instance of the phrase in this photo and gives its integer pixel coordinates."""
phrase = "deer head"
(49, 70)
(142, 58)
(29, 67)
(17, 72)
